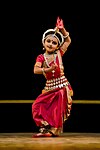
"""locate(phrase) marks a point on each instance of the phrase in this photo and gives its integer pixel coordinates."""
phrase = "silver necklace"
(53, 71)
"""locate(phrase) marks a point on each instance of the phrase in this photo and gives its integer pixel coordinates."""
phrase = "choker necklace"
(55, 52)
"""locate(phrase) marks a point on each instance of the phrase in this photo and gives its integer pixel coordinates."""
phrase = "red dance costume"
(52, 107)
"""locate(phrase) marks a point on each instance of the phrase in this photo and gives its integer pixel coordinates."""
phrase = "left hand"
(59, 24)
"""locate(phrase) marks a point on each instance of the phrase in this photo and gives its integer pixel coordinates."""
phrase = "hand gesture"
(59, 24)
(53, 66)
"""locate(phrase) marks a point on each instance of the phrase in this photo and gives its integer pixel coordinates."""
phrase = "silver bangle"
(66, 36)
(43, 71)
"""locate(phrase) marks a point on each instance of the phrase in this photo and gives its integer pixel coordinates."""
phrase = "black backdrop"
(22, 26)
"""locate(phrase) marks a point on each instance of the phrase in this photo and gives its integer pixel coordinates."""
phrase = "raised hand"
(59, 23)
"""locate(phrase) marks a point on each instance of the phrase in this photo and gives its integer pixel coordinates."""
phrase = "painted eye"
(48, 40)
(54, 42)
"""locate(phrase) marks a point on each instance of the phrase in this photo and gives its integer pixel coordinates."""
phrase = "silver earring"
(43, 48)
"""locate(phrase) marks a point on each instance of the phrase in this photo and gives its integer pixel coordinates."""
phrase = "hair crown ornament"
(55, 33)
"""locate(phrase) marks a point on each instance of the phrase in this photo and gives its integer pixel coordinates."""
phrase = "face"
(50, 44)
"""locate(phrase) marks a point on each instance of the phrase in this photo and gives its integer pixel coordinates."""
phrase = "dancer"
(52, 107)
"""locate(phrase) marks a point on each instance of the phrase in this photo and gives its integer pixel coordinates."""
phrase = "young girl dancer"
(52, 107)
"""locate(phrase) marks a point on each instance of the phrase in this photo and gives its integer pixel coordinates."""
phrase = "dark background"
(22, 27)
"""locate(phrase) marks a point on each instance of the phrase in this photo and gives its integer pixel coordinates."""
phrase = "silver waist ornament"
(56, 83)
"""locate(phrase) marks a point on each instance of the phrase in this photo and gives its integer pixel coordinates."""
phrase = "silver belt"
(56, 83)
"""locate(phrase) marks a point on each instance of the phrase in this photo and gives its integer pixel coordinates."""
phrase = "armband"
(37, 66)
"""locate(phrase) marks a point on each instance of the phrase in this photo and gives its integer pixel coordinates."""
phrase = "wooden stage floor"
(67, 141)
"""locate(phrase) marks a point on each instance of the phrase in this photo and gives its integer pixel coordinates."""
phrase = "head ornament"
(53, 32)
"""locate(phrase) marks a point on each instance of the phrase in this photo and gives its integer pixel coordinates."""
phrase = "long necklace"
(45, 57)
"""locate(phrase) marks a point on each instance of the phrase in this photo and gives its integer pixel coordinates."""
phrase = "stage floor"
(67, 141)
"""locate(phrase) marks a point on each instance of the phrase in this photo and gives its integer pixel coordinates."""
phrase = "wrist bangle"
(66, 36)
(43, 71)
